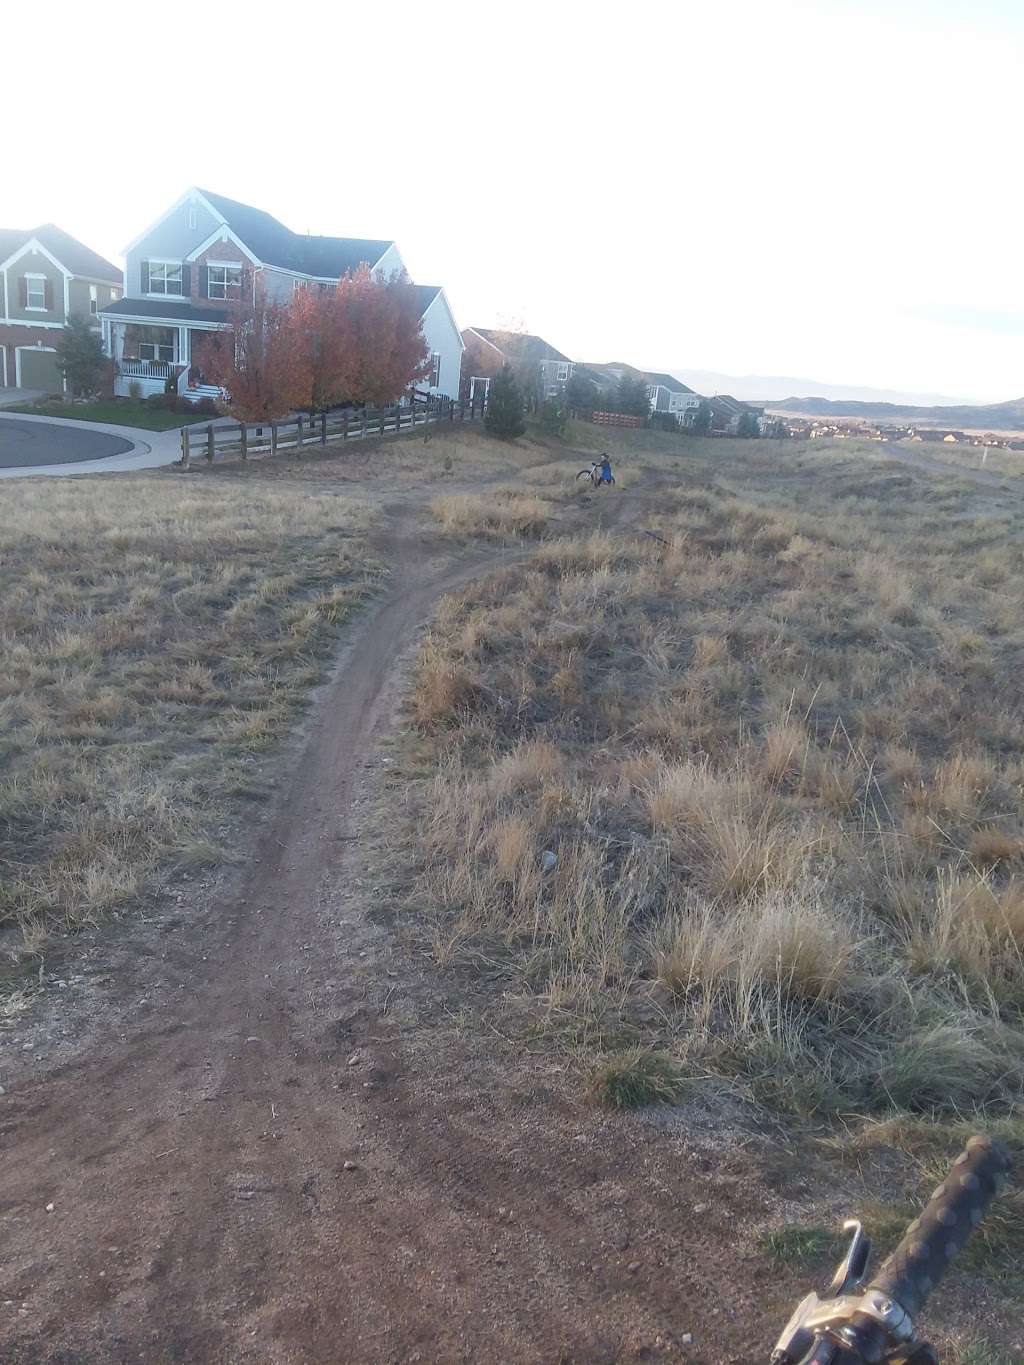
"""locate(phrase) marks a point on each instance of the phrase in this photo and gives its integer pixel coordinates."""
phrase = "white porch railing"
(144, 369)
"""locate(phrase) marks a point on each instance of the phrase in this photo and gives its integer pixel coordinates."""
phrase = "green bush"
(553, 417)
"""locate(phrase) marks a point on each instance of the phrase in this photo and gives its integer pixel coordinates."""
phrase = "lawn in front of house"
(124, 412)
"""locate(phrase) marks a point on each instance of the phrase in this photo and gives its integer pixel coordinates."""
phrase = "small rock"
(28, 1047)
(686, 1339)
(349, 1166)
(354, 1059)
(49, 1208)
(701, 1208)
(548, 860)
(634, 1266)
(253, 1039)
(2, 1090)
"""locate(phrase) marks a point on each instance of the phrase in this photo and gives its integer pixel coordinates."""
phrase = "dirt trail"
(984, 478)
(268, 1159)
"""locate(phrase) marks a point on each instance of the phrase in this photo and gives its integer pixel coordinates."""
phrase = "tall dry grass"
(155, 638)
(757, 784)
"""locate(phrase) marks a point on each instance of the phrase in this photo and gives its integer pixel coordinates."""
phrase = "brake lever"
(853, 1267)
(803, 1333)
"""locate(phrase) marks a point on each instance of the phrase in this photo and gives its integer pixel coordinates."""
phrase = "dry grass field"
(156, 637)
(745, 804)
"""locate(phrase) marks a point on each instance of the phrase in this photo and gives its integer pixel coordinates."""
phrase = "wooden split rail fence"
(297, 433)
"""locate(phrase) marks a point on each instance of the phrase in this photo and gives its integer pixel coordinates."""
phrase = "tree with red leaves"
(254, 360)
(323, 351)
(359, 343)
(382, 325)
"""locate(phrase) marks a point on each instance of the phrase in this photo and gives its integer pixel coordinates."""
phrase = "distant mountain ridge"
(991, 416)
(759, 388)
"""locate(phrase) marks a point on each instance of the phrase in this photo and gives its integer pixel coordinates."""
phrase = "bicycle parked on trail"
(853, 1325)
(600, 472)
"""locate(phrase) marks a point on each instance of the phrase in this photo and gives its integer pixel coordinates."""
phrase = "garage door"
(39, 370)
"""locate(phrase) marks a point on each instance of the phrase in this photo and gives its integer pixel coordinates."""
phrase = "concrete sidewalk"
(150, 449)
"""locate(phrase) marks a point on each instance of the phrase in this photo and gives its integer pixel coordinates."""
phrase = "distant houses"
(540, 367)
(545, 372)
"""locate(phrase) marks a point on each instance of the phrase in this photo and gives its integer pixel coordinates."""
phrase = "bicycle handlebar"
(934, 1238)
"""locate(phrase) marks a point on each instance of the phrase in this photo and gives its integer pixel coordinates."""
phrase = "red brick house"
(46, 276)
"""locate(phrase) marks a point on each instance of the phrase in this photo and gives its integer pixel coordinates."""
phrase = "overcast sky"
(826, 188)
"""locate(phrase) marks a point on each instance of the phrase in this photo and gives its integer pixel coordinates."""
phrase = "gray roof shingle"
(530, 347)
(275, 244)
(159, 308)
(668, 381)
(72, 254)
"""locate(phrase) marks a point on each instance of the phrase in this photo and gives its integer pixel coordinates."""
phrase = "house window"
(225, 281)
(158, 343)
(563, 373)
(94, 301)
(193, 219)
(435, 369)
(35, 292)
(164, 278)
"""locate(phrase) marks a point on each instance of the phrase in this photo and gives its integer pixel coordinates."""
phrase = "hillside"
(1000, 416)
(763, 388)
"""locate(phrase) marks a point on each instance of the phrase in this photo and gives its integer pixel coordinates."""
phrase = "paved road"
(25, 445)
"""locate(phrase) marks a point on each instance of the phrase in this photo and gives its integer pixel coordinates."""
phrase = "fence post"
(344, 426)
(273, 438)
(298, 433)
(382, 420)
(323, 428)
(245, 441)
(209, 444)
(184, 447)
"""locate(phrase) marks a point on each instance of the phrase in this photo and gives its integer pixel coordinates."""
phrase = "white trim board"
(222, 234)
(191, 193)
(34, 244)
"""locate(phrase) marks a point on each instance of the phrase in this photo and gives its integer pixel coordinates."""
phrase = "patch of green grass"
(980, 1351)
(802, 1247)
(635, 1079)
(124, 412)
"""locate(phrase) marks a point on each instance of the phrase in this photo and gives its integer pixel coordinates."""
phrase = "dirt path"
(982, 477)
(284, 1151)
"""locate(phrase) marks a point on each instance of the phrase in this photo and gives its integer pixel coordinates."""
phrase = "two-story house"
(185, 271)
(538, 364)
(671, 395)
(46, 276)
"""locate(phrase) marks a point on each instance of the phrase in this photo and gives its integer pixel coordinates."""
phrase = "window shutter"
(204, 281)
(23, 291)
(186, 279)
(48, 294)
(144, 270)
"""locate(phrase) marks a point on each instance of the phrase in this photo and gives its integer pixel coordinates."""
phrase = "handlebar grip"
(955, 1209)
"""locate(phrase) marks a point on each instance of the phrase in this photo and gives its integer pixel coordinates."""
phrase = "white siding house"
(184, 272)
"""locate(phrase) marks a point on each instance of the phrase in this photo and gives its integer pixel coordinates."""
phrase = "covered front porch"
(149, 352)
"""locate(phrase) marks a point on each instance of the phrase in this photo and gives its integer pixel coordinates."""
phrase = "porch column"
(117, 340)
(184, 351)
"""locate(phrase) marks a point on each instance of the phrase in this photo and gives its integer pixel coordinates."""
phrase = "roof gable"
(522, 344)
(668, 381)
(67, 251)
(275, 244)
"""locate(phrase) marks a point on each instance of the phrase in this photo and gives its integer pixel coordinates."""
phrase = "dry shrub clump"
(504, 513)
(748, 795)
(155, 638)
